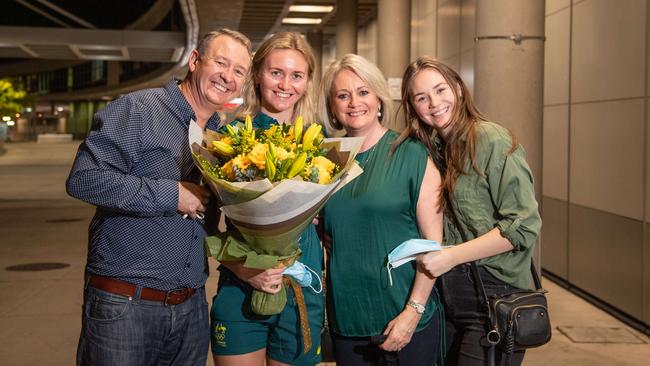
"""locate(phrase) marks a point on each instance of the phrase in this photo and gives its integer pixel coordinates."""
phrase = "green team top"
(367, 219)
(503, 196)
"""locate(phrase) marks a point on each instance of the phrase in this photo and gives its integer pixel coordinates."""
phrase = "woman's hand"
(400, 330)
(435, 264)
(269, 280)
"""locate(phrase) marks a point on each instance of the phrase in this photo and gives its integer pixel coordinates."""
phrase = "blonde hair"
(366, 71)
(251, 91)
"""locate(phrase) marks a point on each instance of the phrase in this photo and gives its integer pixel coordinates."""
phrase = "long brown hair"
(280, 41)
(460, 143)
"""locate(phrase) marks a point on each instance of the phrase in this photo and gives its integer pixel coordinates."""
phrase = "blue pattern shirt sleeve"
(102, 173)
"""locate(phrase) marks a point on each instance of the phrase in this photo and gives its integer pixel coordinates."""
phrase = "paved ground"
(40, 311)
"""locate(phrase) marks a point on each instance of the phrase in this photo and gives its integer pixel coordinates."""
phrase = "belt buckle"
(180, 294)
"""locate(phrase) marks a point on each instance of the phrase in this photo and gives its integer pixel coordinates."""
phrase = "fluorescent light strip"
(311, 8)
(301, 21)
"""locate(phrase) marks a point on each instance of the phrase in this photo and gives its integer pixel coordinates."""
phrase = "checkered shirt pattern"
(129, 167)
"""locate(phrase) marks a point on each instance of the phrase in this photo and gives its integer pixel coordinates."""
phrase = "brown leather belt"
(171, 297)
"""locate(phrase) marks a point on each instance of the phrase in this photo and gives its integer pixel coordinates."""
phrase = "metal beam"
(66, 14)
(87, 44)
(43, 14)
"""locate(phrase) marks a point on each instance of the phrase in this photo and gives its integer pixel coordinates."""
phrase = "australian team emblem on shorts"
(220, 335)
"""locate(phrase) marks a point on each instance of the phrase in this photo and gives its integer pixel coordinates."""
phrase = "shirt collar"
(184, 108)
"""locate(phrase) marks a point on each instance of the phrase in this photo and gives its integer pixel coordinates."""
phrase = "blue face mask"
(408, 251)
(303, 275)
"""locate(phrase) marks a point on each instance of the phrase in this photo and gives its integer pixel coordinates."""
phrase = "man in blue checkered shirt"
(144, 298)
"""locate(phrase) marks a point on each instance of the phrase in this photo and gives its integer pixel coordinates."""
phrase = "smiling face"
(283, 81)
(220, 73)
(354, 104)
(433, 99)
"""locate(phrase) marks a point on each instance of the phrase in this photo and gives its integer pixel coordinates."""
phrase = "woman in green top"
(487, 188)
(280, 90)
(395, 199)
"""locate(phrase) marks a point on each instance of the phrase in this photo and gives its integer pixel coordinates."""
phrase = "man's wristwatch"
(419, 308)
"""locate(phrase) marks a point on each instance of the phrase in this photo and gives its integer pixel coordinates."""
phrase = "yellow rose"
(324, 176)
(227, 170)
(242, 162)
(323, 162)
(258, 155)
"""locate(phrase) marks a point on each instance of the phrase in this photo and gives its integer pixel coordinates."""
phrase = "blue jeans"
(466, 318)
(118, 330)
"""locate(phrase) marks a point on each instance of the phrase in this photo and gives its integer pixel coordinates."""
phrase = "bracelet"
(419, 308)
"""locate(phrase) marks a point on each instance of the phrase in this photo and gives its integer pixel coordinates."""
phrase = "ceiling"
(73, 30)
(105, 30)
(41, 35)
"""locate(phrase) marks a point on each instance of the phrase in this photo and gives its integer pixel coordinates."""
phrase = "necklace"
(366, 157)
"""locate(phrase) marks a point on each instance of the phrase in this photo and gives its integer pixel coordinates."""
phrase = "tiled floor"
(40, 311)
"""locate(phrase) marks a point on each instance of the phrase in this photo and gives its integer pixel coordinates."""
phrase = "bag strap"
(474, 268)
(492, 337)
(536, 280)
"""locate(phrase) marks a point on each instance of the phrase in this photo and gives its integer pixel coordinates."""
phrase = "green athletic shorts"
(236, 330)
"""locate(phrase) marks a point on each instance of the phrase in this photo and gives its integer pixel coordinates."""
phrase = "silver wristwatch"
(419, 308)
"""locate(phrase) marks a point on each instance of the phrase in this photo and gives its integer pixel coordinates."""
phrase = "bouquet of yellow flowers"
(271, 184)
(278, 153)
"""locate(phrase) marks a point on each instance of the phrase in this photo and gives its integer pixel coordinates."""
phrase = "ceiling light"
(301, 21)
(311, 8)
(10, 123)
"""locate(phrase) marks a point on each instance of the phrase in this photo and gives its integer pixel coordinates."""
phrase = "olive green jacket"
(501, 197)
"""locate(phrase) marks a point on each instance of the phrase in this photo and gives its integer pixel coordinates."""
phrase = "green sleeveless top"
(367, 219)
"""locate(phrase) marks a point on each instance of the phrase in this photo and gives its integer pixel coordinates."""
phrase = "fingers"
(269, 280)
(274, 288)
(192, 199)
(396, 341)
(399, 333)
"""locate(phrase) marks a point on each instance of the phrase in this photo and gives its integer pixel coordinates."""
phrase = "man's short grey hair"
(205, 41)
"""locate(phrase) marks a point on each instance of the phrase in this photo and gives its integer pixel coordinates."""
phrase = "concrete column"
(315, 39)
(346, 27)
(509, 76)
(394, 45)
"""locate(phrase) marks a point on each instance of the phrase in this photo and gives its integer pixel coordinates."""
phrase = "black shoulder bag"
(516, 320)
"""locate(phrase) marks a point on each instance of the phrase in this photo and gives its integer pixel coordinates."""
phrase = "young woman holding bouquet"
(394, 200)
(488, 185)
(279, 90)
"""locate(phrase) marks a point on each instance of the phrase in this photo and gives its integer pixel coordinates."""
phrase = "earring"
(379, 113)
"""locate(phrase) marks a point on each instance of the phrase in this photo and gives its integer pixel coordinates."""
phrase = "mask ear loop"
(389, 266)
(320, 282)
